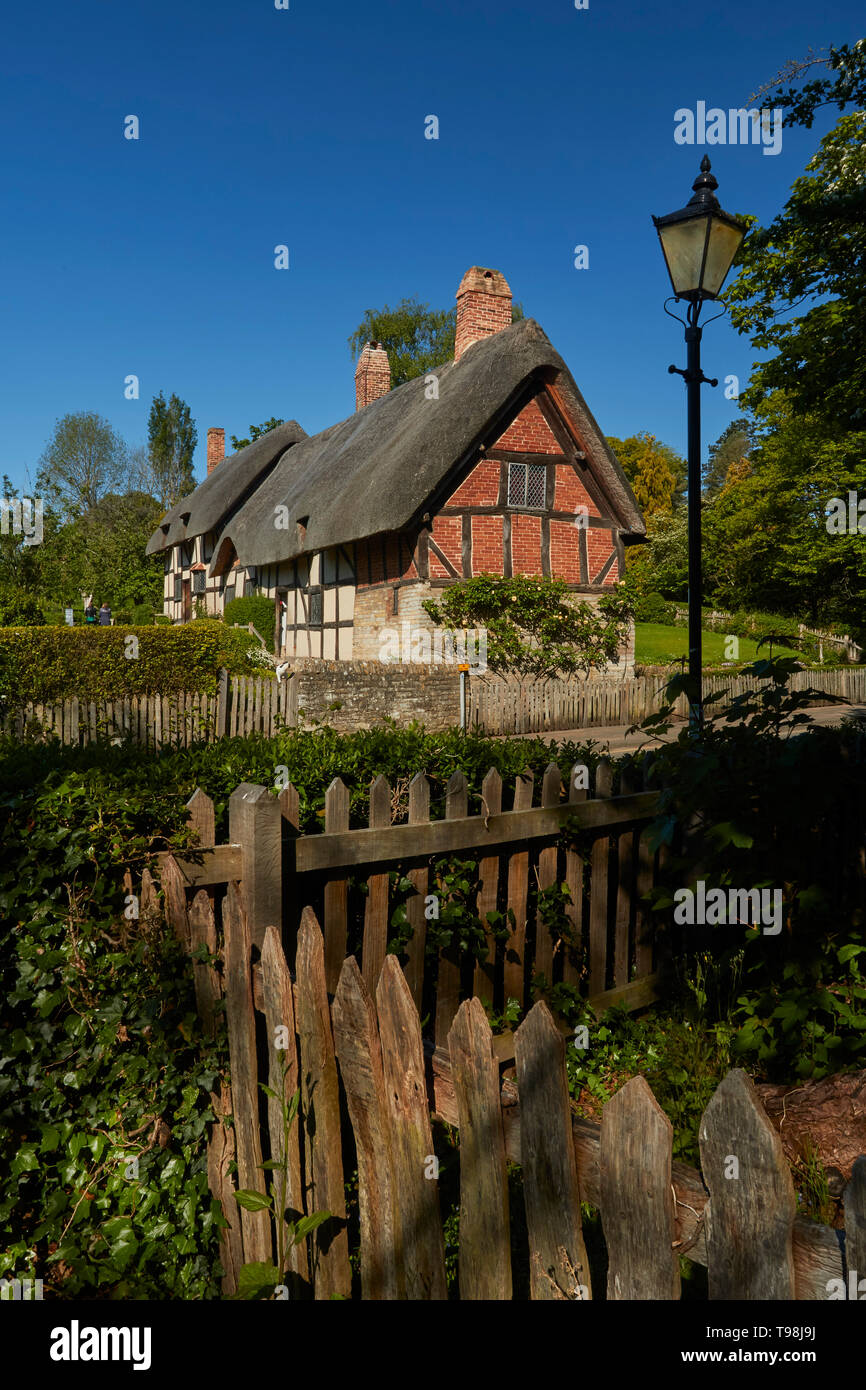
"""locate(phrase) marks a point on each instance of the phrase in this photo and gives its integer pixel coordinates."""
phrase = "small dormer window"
(527, 484)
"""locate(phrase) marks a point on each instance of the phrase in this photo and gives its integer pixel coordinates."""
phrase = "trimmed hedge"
(257, 609)
(56, 663)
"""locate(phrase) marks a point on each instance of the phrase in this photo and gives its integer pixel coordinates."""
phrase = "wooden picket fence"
(500, 707)
(242, 705)
(365, 1046)
(606, 947)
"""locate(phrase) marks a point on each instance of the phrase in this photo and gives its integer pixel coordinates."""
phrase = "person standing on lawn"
(90, 614)
(105, 616)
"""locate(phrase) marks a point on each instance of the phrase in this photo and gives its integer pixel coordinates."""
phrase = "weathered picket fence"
(365, 1045)
(501, 707)
(241, 705)
(608, 866)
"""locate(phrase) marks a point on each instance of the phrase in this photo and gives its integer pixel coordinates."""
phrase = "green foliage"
(83, 461)
(55, 663)
(416, 338)
(656, 472)
(813, 252)
(171, 437)
(20, 609)
(652, 608)
(256, 432)
(142, 615)
(734, 803)
(257, 609)
(733, 446)
(534, 626)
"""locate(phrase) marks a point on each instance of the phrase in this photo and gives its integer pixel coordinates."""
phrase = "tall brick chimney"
(483, 307)
(216, 447)
(372, 375)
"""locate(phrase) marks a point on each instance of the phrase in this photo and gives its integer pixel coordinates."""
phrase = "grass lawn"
(656, 645)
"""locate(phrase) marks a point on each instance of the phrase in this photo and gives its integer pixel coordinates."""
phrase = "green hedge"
(257, 609)
(55, 663)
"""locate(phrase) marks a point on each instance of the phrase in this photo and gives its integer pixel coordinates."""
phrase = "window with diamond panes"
(199, 581)
(526, 484)
(316, 606)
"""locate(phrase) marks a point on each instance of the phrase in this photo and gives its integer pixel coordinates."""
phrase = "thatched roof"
(224, 489)
(375, 471)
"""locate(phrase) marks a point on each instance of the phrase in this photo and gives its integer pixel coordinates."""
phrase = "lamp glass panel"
(724, 242)
(683, 246)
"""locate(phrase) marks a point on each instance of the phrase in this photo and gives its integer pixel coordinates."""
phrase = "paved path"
(616, 739)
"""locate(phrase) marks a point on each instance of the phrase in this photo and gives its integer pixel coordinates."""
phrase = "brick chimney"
(483, 307)
(216, 447)
(372, 375)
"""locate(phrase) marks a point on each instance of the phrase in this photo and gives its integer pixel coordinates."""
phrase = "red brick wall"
(599, 547)
(529, 433)
(526, 544)
(565, 551)
(480, 489)
(398, 561)
(570, 494)
(487, 555)
(447, 533)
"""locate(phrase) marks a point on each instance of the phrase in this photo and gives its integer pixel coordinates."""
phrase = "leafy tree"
(534, 627)
(661, 565)
(415, 337)
(731, 447)
(172, 438)
(766, 543)
(102, 552)
(846, 88)
(84, 460)
(256, 432)
(814, 252)
(656, 472)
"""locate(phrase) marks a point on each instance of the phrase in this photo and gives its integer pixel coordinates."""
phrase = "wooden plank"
(625, 891)
(488, 875)
(284, 1080)
(420, 1247)
(235, 703)
(855, 1229)
(518, 884)
(216, 864)
(752, 1201)
(256, 823)
(599, 858)
(202, 932)
(290, 806)
(572, 968)
(255, 1225)
(359, 1053)
(200, 816)
(559, 1268)
(368, 847)
(644, 930)
(545, 946)
(221, 727)
(485, 1250)
(174, 895)
(448, 977)
(336, 890)
(636, 995)
(637, 1208)
(375, 941)
(419, 814)
(220, 1156)
(321, 1104)
(817, 1253)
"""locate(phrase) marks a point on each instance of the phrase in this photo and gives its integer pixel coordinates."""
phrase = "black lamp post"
(699, 244)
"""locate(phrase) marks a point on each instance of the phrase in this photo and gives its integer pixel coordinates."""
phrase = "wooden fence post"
(637, 1208)
(256, 1225)
(321, 1106)
(359, 1053)
(485, 1251)
(752, 1202)
(421, 1251)
(283, 1057)
(559, 1268)
(256, 824)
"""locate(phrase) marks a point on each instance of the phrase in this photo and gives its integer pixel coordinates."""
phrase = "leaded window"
(527, 484)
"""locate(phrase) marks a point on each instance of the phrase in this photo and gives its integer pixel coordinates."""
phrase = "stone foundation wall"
(361, 694)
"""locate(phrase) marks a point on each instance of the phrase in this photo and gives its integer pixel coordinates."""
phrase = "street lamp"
(699, 243)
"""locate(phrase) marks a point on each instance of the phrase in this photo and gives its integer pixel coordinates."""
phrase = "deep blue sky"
(306, 127)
